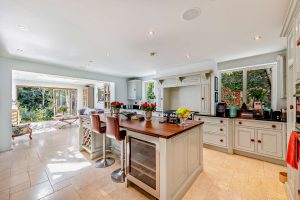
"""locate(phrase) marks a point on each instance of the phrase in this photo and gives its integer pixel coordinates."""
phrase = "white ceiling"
(42, 78)
(71, 33)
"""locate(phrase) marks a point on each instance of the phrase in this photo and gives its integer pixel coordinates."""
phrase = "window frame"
(272, 65)
(144, 99)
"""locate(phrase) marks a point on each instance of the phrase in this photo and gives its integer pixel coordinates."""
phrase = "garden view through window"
(247, 85)
(150, 93)
(42, 104)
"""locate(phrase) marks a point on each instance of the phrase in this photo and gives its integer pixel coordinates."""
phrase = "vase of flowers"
(183, 114)
(258, 94)
(148, 108)
(115, 107)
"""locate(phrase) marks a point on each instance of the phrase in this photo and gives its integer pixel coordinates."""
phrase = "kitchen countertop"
(156, 129)
(269, 120)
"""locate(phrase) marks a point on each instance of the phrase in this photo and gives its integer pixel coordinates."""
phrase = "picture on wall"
(216, 97)
(216, 83)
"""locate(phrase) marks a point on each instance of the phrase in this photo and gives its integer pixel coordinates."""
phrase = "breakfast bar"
(163, 159)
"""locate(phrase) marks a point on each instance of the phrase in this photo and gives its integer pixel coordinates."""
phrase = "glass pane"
(259, 86)
(150, 95)
(232, 87)
(143, 161)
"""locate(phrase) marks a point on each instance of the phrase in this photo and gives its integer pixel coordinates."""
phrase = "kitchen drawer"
(211, 120)
(215, 139)
(259, 124)
(219, 129)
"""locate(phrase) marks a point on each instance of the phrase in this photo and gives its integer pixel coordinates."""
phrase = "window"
(149, 91)
(247, 85)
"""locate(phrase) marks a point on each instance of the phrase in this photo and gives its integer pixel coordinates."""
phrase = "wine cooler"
(143, 165)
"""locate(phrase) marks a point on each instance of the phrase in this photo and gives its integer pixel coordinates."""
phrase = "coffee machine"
(220, 109)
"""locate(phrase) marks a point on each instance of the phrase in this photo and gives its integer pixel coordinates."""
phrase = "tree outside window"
(150, 93)
(247, 85)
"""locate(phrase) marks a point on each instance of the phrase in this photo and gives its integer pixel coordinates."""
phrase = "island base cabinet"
(244, 139)
(181, 162)
(269, 143)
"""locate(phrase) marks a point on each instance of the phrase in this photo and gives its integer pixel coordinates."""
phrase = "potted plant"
(258, 94)
(62, 109)
(183, 114)
(116, 106)
(148, 108)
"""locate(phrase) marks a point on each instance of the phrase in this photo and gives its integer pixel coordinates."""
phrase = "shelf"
(145, 171)
(144, 161)
(88, 149)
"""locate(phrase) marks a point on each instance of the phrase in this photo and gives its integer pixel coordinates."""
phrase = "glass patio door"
(65, 98)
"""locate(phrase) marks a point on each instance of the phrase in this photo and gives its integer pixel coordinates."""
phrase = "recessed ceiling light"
(258, 37)
(151, 32)
(107, 54)
(153, 53)
(191, 14)
(23, 28)
(188, 56)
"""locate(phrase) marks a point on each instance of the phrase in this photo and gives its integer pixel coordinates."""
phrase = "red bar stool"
(113, 131)
(98, 129)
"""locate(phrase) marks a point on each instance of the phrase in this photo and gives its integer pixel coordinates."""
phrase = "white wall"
(50, 84)
(257, 60)
(6, 67)
(187, 96)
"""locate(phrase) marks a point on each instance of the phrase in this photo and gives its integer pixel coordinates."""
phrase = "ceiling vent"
(191, 14)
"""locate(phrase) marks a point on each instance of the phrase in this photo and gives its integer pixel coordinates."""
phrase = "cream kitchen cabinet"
(263, 138)
(134, 89)
(173, 82)
(244, 139)
(269, 143)
(217, 132)
(191, 80)
(159, 96)
(205, 99)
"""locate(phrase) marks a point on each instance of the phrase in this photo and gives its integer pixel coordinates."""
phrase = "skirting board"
(263, 158)
(225, 150)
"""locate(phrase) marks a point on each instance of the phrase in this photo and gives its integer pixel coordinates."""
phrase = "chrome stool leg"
(105, 161)
(119, 174)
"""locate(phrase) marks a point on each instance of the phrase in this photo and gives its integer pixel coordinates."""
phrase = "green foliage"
(63, 109)
(233, 80)
(150, 91)
(35, 104)
(35, 98)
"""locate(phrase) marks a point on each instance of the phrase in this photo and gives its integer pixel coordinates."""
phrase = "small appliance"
(220, 109)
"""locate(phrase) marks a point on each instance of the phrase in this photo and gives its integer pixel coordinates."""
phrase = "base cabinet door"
(244, 139)
(269, 143)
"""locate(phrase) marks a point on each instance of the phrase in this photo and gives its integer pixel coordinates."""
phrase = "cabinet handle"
(221, 129)
(273, 126)
(252, 140)
(259, 141)
(221, 140)
(291, 107)
(202, 98)
(240, 123)
(221, 121)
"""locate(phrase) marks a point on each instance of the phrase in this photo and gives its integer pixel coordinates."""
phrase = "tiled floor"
(51, 167)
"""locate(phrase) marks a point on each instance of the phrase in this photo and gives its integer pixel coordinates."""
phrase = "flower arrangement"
(116, 104)
(258, 93)
(148, 106)
(183, 113)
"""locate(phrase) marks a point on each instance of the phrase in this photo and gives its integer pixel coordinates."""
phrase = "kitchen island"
(163, 159)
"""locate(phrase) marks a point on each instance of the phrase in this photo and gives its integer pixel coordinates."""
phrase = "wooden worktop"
(156, 129)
